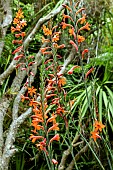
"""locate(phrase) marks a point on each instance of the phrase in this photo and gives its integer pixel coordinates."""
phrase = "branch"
(66, 153)
(9, 149)
(78, 155)
(68, 60)
(5, 20)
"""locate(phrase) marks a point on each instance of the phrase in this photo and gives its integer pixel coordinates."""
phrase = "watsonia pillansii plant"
(44, 120)
(46, 102)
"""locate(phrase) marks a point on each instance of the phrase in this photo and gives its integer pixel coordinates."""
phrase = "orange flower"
(55, 38)
(89, 72)
(18, 49)
(23, 34)
(42, 146)
(72, 69)
(98, 126)
(38, 116)
(13, 29)
(71, 31)
(18, 28)
(23, 23)
(60, 110)
(80, 38)
(34, 138)
(15, 21)
(67, 16)
(56, 138)
(95, 135)
(19, 14)
(45, 40)
(36, 126)
(54, 127)
(52, 119)
(83, 52)
(17, 41)
(72, 42)
(46, 31)
(54, 161)
(20, 34)
(31, 90)
(33, 103)
(24, 98)
(80, 10)
(64, 25)
(36, 110)
(61, 81)
(67, 7)
(71, 102)
(85, 27)
(44, 49)
(82, 20)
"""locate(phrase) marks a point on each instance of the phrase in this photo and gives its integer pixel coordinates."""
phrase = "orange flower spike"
(56, 138)
(80, 10)
(83, 52)
(67, 7)
(80, 38)
(85, 27)
(98, 126)
(54, 127)
(31, 90)
(95, 135)
(55, 101)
